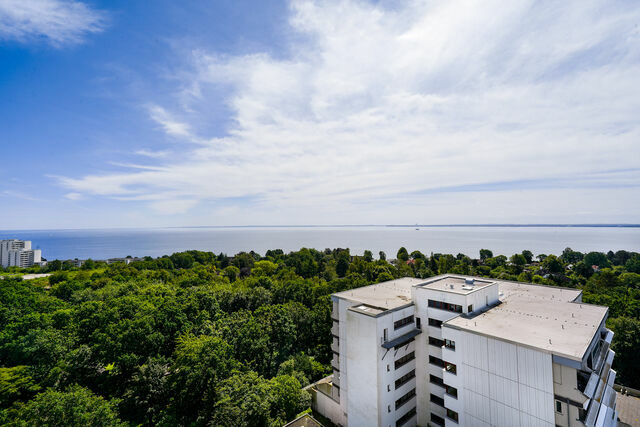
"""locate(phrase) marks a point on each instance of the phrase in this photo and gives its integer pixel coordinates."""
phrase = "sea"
(113, 243)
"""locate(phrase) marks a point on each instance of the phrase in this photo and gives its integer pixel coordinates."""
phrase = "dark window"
(418, 323)
(435, 342)
(437, 400)
(436, 323)
(470, 308)
(436, 361)
(404, 399)
(436, 380)
(558, 406)
(396, 347)
(436, 419)
(405, 359)
(451, 391)
(451, 368)
(405, 378)
(452, 415)
(405, 418)
(451, 345)
(445, 306)
(402, 322)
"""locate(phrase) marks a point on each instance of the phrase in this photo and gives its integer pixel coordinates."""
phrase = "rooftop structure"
(385, 296)
(455, 350)
(456, 285)
(540, 318)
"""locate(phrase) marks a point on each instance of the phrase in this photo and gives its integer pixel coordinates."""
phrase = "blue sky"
(167, 113)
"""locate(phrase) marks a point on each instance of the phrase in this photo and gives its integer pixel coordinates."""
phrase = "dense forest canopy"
(200, 339)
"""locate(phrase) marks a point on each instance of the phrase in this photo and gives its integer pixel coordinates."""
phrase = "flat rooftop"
(386, 295)
(547, 318)
(456, 284)
(542, 317)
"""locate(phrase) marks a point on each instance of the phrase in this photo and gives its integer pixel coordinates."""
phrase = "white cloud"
(157, 154)
(375, 104)
(60, 22)
(74, 196)
(169, 124)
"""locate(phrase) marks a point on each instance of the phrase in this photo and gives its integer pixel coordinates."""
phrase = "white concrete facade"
(18, 253)
(447, 351)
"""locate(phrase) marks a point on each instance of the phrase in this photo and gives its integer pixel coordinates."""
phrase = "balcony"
(401, 340)
(449, 375)
(335, 345)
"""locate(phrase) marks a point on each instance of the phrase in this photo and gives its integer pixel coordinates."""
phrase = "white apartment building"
(463, 351)
(18, 253)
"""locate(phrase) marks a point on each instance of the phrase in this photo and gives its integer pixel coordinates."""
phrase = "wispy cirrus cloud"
(422, 98)
(58, 22)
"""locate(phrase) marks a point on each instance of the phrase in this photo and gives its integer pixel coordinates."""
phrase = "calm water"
(101, 244)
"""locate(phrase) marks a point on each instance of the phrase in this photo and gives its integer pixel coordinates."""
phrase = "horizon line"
(504, 225)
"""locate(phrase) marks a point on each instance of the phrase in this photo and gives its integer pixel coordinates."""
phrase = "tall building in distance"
(466, 351)
(18, 253)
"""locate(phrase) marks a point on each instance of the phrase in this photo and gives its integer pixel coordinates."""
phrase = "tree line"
(198, 338)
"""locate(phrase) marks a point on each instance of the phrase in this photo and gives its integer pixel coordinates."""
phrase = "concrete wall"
(388, 393)
(421, 296)
(565, 384)
(499, 383)
(362, 379)
(328, 407)
(368, 373)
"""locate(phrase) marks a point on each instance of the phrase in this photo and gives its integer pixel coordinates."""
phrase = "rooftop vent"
(451, 286)
(469, 281)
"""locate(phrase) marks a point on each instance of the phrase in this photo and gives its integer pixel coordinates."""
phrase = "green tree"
(342, 266)
(182, 260)
(89, 264)
(201, 362)
(264, 268)
(633, 264)
(147, 392)
(552, 264)
(402, 254)
(76, 406)
(16, 383)
(597, 258)
(604, 278)
(570, 256)
(519, 261)
(446, 263)
(626, 344)
(232, 272)
(528, 256)
(368, 256)
(245, 399)
(382, 256)
(55, 265)
(485, 254)
(288, 398)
